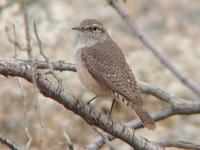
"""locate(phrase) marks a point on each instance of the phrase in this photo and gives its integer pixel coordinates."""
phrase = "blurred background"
(172, 25)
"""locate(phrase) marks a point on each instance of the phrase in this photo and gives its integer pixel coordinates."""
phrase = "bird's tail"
(144, 116)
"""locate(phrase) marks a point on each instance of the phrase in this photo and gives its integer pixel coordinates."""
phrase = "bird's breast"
(88, 80)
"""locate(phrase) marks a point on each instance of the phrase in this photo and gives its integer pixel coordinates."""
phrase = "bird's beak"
(76, 28)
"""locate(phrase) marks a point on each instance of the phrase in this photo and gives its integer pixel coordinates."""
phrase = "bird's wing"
(107, 64)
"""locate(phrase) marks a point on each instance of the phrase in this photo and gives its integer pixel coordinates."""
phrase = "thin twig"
(17, 45)
(68, 141)
(33, 66)
(105, 138)
(158, 52)
(9, 143)
(28, 40)
(25, 116)
(27, 146)
(43, 54)
(48, 63)
(27, 30)
(13, 41)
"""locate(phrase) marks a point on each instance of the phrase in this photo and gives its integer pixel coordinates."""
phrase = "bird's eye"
(95, 28)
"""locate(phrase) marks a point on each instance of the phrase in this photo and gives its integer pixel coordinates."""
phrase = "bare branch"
(159, 93)
(28, 39)
(28, 48)
(87, 112)
(21, 89)
(180, 144)
(158, 52)
(163, 114)
(177, 105)
(66, 66)
(43, 54)
(9, 143)
(57, 65)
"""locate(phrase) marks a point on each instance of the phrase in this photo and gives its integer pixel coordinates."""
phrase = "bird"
(103, 69)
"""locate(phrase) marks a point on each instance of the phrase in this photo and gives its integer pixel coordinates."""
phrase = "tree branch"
(57, 65)
(43, 54)
(177, 106)
(158, 52)
(98, 142)
(66, 66)
(9, 143)
(180, 144)
(105, 138)
(87, 112)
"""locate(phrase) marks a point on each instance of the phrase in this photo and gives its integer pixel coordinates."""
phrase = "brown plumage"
(109, 72)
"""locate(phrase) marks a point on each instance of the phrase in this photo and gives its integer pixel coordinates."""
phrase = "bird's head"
(91, 31)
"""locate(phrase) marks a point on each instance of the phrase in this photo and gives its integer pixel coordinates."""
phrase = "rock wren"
(102, 68)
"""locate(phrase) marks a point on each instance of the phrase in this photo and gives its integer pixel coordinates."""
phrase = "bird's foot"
(111, 108)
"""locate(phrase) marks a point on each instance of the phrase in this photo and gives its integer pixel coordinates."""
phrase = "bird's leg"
(89, 101)
(113, 102)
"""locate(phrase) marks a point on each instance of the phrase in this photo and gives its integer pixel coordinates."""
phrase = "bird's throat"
(84, 43)
(84, 40)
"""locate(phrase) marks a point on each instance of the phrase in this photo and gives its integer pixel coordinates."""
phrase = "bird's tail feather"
(144, 116)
